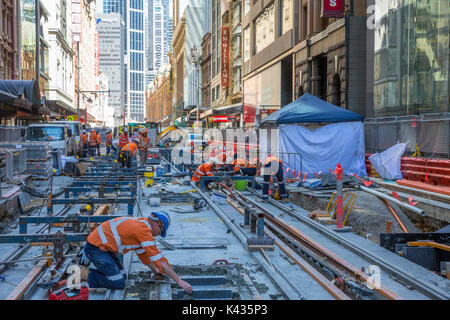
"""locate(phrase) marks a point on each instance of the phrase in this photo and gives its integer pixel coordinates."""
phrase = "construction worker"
(84, 143)
(128, 152)
(93, 141)
(244, 167)
(124, 139)
(144, 144)
(99, 141)
(273, 166)
(109, 142)
(205, 169)
(119, 236)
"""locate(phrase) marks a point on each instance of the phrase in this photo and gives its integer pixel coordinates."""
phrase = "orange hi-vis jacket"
(144, 143)
(84, 138)
(202, 171)
(93, 139)
(121, 235)
(123, 140)
(271, 159)
(109, 139)
(131, 147)
(99, 138)
(242, 164)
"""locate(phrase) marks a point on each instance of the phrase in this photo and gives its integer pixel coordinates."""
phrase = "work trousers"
(105, 270)
(125, 159)
(142, 157)
(98, 149)
(92, 149)
(85, 150)
(268, 171)
(110, 148)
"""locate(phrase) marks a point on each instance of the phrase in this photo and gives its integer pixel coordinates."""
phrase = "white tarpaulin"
(323, 148)
(388, 163)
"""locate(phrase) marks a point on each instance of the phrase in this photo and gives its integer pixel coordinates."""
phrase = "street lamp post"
(194, 59)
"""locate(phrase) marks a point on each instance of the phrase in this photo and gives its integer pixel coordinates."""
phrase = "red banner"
(225, 78)
(333, 8)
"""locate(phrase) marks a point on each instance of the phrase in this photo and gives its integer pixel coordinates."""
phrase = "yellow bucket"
(148, 178)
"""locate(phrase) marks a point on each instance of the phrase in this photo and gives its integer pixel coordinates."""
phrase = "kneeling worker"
(119, 236)
(273, 166)
(244, 167)
(205, 169)
(127, 153)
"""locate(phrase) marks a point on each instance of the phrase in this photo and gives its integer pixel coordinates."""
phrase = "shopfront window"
(411, 63)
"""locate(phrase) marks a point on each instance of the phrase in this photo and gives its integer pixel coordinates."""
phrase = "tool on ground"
(199, 203)
(166, 244)
(81, 293)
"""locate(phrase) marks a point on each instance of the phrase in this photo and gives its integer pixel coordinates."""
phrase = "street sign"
(333, 8)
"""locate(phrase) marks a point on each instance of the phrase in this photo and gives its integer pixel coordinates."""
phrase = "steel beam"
(28, 238)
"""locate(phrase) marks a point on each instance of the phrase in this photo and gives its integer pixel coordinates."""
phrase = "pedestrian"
(144, 144)
(84, 143)
(273, 166)
(127, 153)
(119, 236)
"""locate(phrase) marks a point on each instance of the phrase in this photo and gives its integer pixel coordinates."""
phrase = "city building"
(159, 29)
(110, 27)
(292, 47)
(205, 64)
(407, 76)
(159, 99)
(132, 12)
(9, 47)
(61, 92)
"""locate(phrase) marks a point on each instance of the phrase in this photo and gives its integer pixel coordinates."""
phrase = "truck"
(58, 135)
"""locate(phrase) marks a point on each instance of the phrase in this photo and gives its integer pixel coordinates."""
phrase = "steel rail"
(321, 251)
(422, 286)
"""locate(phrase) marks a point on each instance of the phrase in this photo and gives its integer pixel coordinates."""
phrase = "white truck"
(58, 135)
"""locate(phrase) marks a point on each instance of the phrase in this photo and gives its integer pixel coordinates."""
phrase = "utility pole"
(78, 85)
(38, 50)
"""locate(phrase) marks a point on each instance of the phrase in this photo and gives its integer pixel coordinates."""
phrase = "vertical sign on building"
(333, 8)
(76, 20)
(225, 65)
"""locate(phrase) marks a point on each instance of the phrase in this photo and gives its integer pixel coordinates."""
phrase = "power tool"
(81, 293)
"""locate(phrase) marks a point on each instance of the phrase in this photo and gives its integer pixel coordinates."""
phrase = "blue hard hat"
(165, 218)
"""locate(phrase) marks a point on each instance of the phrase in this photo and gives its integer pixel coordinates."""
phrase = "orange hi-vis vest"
(123, 140)
(84, 138)
(202, 171)
(99, 138)
(93, 140)
(109, 139)
(121, 235)
(242, 164)
(144, 143)
(131, 147)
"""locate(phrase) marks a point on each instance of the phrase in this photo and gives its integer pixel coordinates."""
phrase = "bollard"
(339, 178)
(246, 217)
(252, 223)
(260, 231)
(389, 227)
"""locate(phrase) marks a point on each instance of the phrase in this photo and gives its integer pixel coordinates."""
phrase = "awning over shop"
(310, 109)
(58, 108)
(21, 89)
(225, 110)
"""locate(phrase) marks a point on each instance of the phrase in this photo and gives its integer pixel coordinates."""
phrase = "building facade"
(110, 27)
(9, 44)
(61, 93)
(206, 71)
(159, 98)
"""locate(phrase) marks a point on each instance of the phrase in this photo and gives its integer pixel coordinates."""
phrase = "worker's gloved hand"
(84, 260)
(185, 286)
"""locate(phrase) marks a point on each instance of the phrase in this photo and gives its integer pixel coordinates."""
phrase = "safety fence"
(11, 133)
(428, 133)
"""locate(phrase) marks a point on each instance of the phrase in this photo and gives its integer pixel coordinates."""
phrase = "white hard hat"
(84, 131)
(125, 129)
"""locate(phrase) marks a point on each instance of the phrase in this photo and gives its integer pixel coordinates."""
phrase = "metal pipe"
(400, 203)
(395, 216)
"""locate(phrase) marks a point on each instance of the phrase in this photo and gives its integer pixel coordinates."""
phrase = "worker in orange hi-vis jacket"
(84, 143)
(273, 166)
(205, 169)
(119, 236)
(144, 144)
(128, 152)
(93, 141)
(124, 139)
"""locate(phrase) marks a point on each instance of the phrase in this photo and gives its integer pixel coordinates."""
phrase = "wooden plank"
(429, 244)
(11, 192)
(102, 210)
(23, 286)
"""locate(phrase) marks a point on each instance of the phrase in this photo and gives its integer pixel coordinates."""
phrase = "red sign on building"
(225, 77)
(333, 8)
(220, 118)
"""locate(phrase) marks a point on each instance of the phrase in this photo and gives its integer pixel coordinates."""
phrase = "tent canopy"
(309, 108)
(22, 89)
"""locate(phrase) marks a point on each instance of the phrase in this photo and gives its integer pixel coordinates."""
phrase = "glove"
(84, 260)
